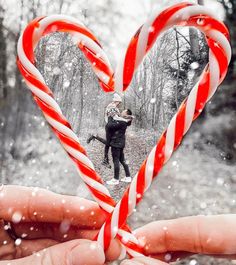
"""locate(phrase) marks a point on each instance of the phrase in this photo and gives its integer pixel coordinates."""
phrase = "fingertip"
(114, 250)
(88, 253)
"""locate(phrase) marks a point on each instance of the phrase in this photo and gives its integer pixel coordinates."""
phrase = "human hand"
(42, 219)
(76, 252)
(173, 239)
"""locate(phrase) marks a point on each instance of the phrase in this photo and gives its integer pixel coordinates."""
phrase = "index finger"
(196, 234)
(34, 204)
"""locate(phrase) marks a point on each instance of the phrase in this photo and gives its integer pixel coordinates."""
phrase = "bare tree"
(3, 56)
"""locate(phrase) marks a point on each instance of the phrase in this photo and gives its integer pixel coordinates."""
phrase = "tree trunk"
(194, 39)
(81, 89)
(178, 69)
(3, 62)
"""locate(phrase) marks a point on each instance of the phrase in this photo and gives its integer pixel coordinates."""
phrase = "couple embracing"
(116, 125)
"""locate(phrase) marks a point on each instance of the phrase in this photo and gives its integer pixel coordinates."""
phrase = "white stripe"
(61, 128)
(114, 220)
(222, 40)
(107, 207)
(214, 74)
(132, 194)
(78, 37)
(142, 43)
(101, 75)
(185, 13)
(26, 63)
(134, 253)
(44, 97)
(101, 236)
(94, 184)
(78, 155)
(190, 107)
(128, 236)
(149, 168)
(50, 19)
(119, 75)
(170, 139)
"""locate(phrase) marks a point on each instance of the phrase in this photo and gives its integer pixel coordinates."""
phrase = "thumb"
(76, 252)
(143, 261)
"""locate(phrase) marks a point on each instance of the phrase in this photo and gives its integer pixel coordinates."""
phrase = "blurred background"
(201, 176)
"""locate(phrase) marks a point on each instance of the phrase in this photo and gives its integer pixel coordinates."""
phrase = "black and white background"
(201, 176)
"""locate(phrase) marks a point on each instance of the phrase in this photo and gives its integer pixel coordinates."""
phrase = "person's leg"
(90, 138)
(107, 145)
(126, 167)
(116, 157)
(100, 139)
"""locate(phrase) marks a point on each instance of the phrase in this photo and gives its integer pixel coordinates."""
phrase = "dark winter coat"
(117, 131)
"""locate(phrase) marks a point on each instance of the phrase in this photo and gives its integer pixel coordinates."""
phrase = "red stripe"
(70, 142)
(92, 57)
(33, 80)
(221, 57)
(67, 26)
(51, 112)
(93, 175)
(202, 94)
(206, 24)
(27, 39)
(158, 24)
(179, 125)
(106, 87)
(141, 182)
(159, 155)
(89, 54)
(103, 197)
(124, 208)
(131, 245)
(130, 59)
(88, 171)
(108, 237)
(161, 20)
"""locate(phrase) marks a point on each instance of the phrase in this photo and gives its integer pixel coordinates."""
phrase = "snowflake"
(153, 100)
(194, 65)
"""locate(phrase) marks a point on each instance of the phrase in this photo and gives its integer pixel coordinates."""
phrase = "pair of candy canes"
(183, 14)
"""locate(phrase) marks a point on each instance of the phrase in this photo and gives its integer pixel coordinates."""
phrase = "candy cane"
(217, 36)
(181, 14)
(51, 110)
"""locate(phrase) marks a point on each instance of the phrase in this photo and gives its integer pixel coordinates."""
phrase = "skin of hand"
(43, 219)
(75, 252)
(170, 240)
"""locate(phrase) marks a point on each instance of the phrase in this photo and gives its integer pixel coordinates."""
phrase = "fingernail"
(87, 254)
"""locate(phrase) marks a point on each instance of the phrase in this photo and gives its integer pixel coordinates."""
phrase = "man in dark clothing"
(112, 112)
(117, 130)
(117, 143)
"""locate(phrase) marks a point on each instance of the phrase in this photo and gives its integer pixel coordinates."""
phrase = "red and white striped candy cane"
(43, 96)
(217, 36)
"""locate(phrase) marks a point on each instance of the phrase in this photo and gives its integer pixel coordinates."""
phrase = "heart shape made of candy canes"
(183, 14)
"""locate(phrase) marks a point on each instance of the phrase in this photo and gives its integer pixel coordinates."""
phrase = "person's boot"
(126, 179)
(105, 163)
(113, 181)
(90, 138)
